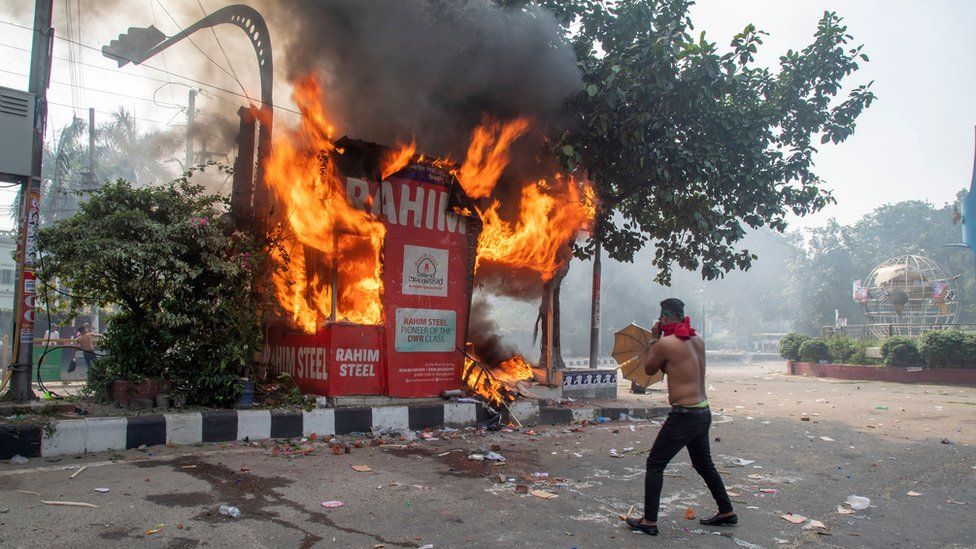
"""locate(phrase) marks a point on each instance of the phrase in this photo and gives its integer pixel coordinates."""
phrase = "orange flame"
(548, 219)
(398, 158)
(488, 155)
(332, 238)
(495, 387)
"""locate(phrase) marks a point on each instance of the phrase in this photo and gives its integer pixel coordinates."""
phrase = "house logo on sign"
(424, 270)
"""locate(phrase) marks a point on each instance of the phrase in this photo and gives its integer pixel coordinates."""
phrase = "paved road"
(431, 493)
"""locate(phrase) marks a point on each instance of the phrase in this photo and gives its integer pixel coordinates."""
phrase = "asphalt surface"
(430, 492)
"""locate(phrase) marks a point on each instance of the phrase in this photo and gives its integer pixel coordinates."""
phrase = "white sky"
(915, 142)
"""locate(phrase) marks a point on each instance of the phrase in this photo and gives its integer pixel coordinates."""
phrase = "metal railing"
(878, 331)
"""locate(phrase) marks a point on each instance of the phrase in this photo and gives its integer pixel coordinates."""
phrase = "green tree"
(692, 144)
(181, 277)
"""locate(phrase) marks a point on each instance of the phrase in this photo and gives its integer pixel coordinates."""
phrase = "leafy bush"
(901, 351)
(948, 349)
(814, 350)
(789, 346)
(180, 277)
(843, 349)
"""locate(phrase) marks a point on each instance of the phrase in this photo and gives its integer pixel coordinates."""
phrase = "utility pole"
(30, 198)
(92, 184)
(191, 111)
(595, 309)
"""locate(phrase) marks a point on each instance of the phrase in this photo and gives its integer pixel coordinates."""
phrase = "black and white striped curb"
(81, 436)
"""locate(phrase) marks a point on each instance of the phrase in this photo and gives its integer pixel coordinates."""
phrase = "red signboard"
(355, 360)
(302, 356)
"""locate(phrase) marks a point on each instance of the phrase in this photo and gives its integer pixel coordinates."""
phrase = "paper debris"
(332, 504)
(543, 494)
(101, 490)
(743, 462)
(362, 468)
(795, 519)
(70, 504)
(826, 439)
(845, 510)
(914, 494)
(156, 530)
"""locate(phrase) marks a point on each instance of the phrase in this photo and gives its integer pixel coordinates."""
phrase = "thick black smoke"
(395, 69)
(483, 332)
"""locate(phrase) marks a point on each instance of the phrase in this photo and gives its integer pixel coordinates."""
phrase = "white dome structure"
(908, 296)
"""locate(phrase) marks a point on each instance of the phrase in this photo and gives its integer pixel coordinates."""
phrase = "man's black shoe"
(635, 524)
(730, 520)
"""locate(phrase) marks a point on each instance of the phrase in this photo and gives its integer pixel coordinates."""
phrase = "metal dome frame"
(902, 299)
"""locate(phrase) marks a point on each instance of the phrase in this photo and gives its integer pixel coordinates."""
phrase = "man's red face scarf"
(681, 329)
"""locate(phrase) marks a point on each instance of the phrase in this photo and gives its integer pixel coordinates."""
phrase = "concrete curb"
(82, 436)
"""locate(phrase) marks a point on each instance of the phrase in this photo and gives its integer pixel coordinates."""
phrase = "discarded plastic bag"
(743, 462)
(230, 511)
(332, 504)
(858, 503)
(18, 460)
(494, 456)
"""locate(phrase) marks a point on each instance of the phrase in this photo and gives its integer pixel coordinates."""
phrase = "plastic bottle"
(230, 511)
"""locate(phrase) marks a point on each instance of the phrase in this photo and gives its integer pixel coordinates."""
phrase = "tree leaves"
(692, 145)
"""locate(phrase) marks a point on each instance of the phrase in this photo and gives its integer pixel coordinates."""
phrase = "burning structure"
(381, 249)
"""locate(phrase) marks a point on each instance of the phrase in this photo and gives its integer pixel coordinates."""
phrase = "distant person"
(52, 334)
(85, 341)
(680, 353)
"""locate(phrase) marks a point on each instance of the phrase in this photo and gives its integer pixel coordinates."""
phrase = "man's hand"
(656, 330)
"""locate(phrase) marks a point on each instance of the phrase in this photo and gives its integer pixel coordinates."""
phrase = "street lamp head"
(134, 45)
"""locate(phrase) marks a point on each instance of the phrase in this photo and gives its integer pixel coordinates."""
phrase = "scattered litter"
(743, 462)
(494, 456)
(690, 514)
(880, 407)
(188, 467)
(332, 504)
(602, 419)
(844, 510)
(577, 454)
(521, 489)
(229, 510)
(826, 439)
(18, 460)
(540, 475)
(801, 419)
(755, 476)
(156, 530)
(733, 494)
(101, 490)
(543, 494)
(781, 541)
(628, 417)
(29, 492)
(78, 472)
(70, 504)
(476, 457)
(428, 546)
(632, 429)
(362, 468)
(769, 490)
(795, 519)
(914, 494)
(954, 502)
(949, 442)
(858, 503)
(815, 524)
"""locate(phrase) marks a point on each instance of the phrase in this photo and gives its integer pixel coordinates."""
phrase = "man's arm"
(654, 359)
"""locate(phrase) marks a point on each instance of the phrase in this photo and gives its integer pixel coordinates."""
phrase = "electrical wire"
(182, 30)
(194, 80)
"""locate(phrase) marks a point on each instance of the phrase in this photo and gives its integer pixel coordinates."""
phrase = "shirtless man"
(680, 353)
